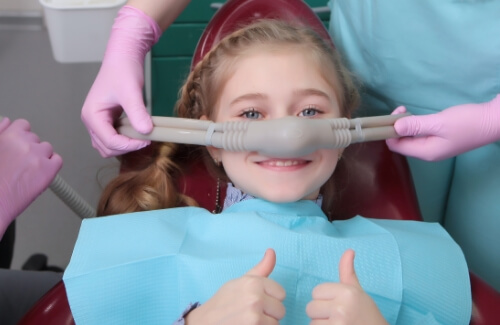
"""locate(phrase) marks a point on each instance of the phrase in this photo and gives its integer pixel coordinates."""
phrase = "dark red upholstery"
(53, 308)
(240, 12)
(374, 182)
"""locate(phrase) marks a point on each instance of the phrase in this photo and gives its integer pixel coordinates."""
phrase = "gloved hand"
(448, 133)
(27, 167)
(118, 85)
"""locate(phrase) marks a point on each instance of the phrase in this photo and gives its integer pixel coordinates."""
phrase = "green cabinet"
(171, 56)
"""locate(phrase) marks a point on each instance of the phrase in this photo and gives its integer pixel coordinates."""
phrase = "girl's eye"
(309, 112)
(251, 114)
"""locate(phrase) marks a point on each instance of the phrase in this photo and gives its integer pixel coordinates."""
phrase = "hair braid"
(149, 185)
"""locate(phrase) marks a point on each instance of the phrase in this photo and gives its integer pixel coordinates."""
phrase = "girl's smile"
(284, 165)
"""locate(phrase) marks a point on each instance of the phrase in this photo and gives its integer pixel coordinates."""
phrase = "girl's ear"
(214, 152)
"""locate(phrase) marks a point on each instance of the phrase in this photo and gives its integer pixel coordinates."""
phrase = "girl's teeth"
(286, 163)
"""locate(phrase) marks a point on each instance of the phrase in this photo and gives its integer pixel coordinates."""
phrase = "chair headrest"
(236, 13)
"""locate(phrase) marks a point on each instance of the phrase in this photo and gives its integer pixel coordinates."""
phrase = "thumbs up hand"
(250, 299)
(344, 302)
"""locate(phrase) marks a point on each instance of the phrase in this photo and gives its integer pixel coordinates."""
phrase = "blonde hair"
(153, 185)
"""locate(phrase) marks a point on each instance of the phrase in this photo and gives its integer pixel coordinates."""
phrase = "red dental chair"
(374, 182)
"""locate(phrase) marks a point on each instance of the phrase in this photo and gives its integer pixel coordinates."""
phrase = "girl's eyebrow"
(311, 92)
(299, 93)
(249, 96)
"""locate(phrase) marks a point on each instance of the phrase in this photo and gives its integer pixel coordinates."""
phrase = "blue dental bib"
(146, 267)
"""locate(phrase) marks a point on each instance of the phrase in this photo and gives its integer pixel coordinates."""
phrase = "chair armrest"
(52, 308)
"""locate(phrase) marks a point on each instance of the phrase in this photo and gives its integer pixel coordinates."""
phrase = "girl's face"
(270, 85)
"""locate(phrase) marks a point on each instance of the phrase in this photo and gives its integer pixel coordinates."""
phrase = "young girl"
(148, 267)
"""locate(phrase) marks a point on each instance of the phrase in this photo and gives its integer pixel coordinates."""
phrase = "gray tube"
(71, 198)
(282, 138)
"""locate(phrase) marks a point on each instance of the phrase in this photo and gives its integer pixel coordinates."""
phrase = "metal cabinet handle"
(216, 5)
(317, 10)
(320, 10)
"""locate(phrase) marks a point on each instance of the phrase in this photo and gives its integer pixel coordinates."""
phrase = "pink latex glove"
(27, 167)
(118, 85)
(448, 133)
